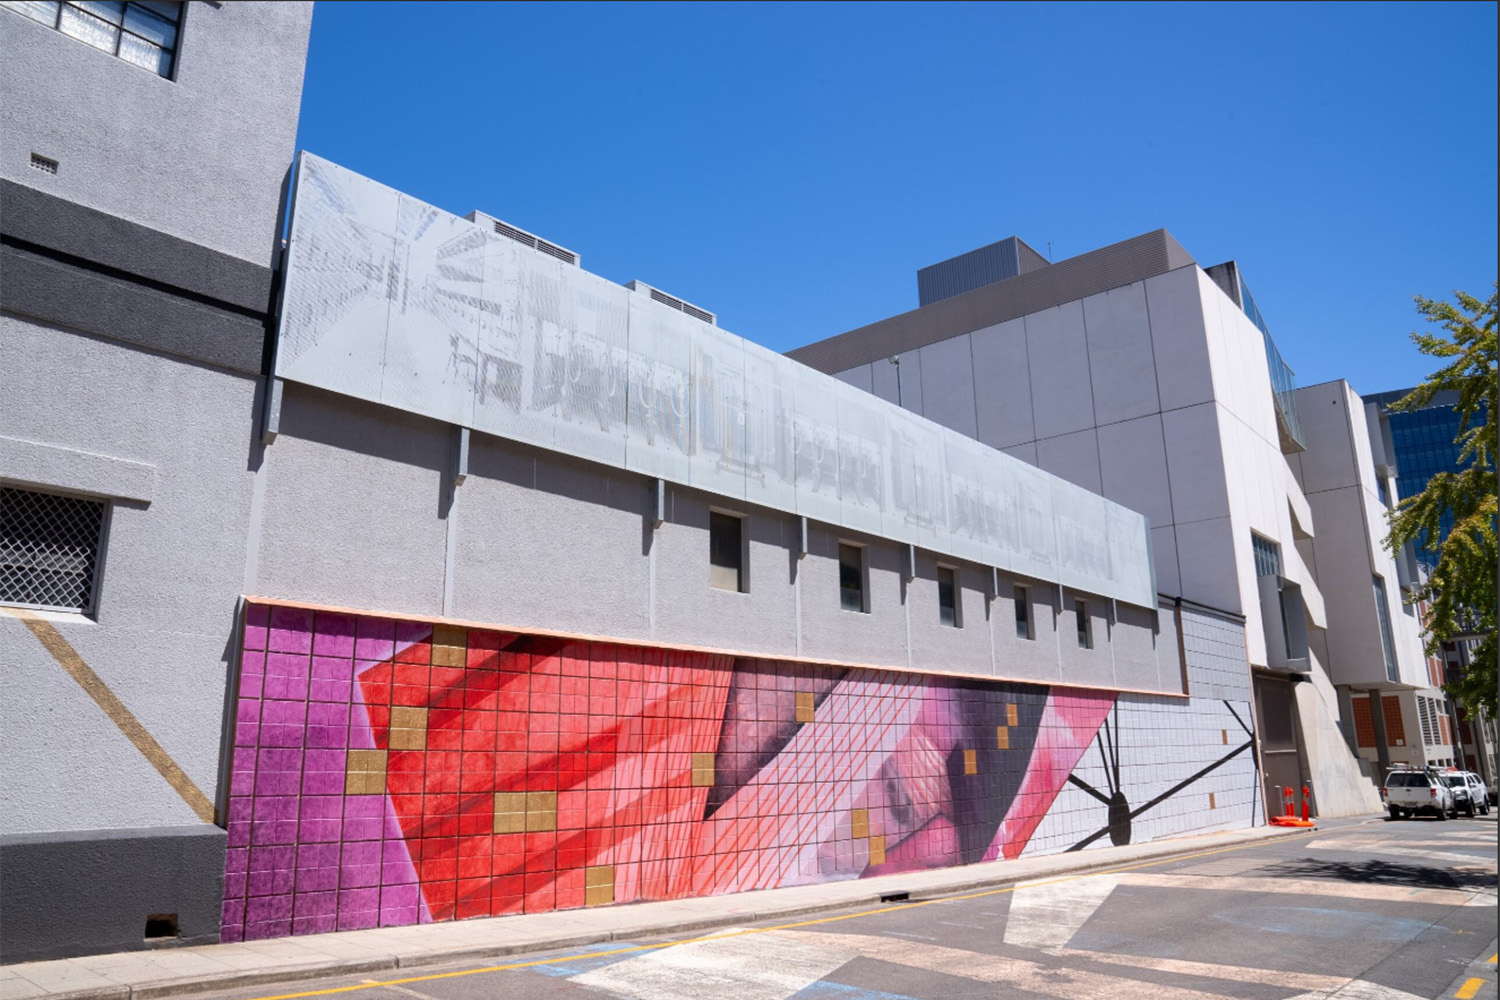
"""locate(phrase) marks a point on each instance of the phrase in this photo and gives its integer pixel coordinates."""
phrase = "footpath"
(159, 972)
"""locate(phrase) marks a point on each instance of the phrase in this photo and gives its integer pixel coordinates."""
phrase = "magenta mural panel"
(392, 772)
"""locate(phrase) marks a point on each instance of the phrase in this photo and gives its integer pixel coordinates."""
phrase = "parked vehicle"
(1469, 794)
(1409, 791)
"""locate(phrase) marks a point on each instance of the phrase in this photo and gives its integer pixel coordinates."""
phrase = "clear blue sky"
(790, 167)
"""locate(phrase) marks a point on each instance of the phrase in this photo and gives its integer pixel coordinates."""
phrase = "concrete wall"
(359, 510)
(201, 156)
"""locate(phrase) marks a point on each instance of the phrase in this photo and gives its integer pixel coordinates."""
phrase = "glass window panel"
(156, 30)
(724, 552)
(87, 28)
(1023, 614)
(1085, 631)
(113, 12)
(851, 578)
(947, 597)
(44, 11)
(171, 11)
(145, 55)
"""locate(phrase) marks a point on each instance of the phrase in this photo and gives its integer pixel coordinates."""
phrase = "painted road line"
(1212, 970)
(1304, 887)
(1047, 915)
(1492, 958)
(765, 967)
(878, 911)
(1468, 989)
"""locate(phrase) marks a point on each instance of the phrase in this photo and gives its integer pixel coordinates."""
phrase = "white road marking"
(1358, 990)
(1016, 974)
(1047, 915)
(1211, 970)
(765, 966)
(1304, 886)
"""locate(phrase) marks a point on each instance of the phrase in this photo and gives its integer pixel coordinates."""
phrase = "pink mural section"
(394, 772)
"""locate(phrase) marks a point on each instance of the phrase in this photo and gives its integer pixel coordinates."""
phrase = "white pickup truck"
(1408, 792)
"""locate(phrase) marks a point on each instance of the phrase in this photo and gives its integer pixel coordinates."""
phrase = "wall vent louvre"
(527, 239)
(673, 302)
(697, 313)
(556, 251)
(666, 299)
(45, 164)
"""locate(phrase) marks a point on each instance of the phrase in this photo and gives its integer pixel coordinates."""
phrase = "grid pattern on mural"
(390, 772)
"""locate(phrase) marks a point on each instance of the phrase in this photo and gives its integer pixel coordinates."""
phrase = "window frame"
(174, 53)
(1025, 618)
(101, 547)
(1084, 623)
(862, 552)
(956, 588)
(742, 570)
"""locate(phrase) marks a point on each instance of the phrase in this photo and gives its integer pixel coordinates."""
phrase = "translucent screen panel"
(391, 300)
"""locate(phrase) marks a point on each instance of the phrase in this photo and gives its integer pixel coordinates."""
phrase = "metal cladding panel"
(393, 301)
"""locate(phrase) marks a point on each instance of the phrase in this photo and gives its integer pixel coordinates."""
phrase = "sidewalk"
(139, 975)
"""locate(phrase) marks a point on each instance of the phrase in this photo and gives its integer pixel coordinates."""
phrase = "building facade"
(1137, 373)
(415, 573)
(143, 158)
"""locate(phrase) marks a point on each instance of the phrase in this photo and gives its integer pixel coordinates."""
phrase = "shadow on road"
(1380, 872)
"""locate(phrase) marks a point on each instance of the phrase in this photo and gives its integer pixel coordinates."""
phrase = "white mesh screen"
(49, 549)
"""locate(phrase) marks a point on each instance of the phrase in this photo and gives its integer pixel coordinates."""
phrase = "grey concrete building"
(144, 150)
(1133, 371)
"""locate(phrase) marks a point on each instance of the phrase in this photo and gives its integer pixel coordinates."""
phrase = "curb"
(881, 891)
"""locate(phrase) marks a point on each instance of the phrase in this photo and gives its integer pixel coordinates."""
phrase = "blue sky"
(791, 167)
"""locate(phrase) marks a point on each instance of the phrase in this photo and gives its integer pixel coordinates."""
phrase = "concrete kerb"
(616, 925)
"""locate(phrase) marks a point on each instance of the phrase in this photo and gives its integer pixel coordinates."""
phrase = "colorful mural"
(393, 772)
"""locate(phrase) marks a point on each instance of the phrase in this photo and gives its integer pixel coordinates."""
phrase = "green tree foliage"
(1461, 589)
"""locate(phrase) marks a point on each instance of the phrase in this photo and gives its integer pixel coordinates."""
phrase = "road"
(1375, 910)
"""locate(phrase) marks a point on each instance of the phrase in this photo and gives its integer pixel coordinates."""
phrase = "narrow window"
(725, 552)
(852, 578)
(1023, 614)
(1085, 627)
(948, 597)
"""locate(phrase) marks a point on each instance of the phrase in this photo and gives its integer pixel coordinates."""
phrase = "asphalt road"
(1377, 910)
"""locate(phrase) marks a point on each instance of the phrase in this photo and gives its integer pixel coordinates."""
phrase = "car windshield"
(1455, 780)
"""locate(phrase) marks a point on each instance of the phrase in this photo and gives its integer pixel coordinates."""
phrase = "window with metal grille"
(49, 550)
(142, 32)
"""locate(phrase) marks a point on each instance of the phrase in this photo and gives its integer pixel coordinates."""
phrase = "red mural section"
(390, 772)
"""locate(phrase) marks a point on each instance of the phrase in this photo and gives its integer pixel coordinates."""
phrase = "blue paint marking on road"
(582, 965)
(825, 989)
(1306, 921)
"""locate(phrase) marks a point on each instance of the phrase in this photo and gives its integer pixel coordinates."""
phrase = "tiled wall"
(393, 772)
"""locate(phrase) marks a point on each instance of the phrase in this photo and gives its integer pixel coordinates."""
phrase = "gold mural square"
(703, 770)
(364, 773)
(1224, 735)
(598, 895)
(971, 762)
(1211, 803)
(1002, 737)
(860, 822)
(805, 707)
(408, 728)
(877, 850)
(1012, 714)
(541, 812)
(599, 875)
(510, 812)
(449, 646)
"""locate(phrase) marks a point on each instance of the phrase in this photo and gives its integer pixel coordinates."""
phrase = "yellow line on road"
(562, 959)
(1468, 989)
(93, 685)
(1492, 958)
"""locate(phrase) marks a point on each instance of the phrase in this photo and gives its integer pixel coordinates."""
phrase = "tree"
(1461, 589)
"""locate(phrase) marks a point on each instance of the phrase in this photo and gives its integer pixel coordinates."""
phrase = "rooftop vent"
(522, 236)
(673, 302)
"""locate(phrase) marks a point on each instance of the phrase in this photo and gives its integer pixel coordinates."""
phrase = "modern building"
(1135, 372)
(1419, 444)
(415, 573)
(144, 153)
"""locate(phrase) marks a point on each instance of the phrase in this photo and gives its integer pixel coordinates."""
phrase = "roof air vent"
(673, 302)
(523, 237)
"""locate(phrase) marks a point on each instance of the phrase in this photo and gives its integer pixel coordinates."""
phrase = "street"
(1373, 909)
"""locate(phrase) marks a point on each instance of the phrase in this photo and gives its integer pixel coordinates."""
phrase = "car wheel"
(1471, 813)
(1395, 813)
(1442, 815)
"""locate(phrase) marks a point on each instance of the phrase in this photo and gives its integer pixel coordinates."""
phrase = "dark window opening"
(852, 578)
(1023, 614)
(726, 552)
(1085, 626)
(948, 597)
(161, 925)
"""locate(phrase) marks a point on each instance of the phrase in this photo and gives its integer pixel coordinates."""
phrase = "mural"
(393, 772)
